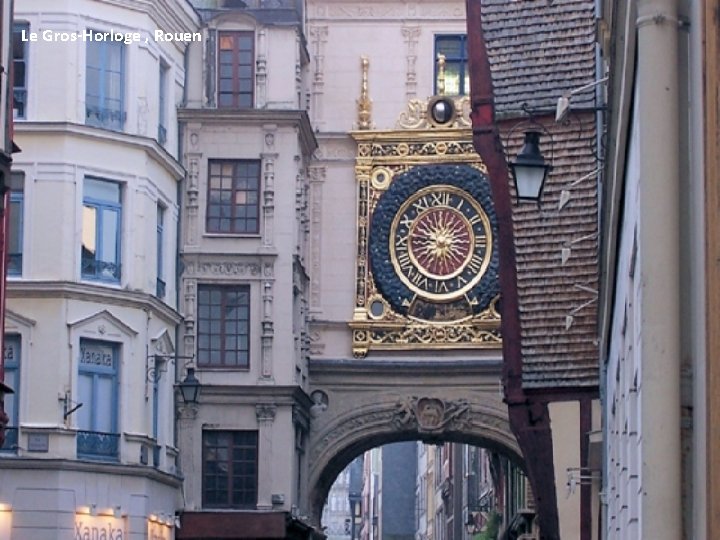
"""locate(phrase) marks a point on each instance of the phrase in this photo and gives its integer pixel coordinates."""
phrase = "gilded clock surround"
(440, 311)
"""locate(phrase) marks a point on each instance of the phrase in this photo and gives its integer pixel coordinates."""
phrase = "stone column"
(265, 418)
(318, 39)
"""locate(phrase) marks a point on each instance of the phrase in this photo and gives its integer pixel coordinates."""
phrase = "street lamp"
(5, 389)
(529, 169)
(189, 387)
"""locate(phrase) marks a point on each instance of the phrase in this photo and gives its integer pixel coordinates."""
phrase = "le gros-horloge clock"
(431, 249)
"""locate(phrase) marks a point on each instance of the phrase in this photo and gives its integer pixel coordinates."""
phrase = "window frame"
(234, 216)
(17, 28)
(236, 66)
(229, 468)
(162, 103)
(96, 373)
(16, 200)
(101, 206)
(12, 376)
(462, 60)
(103, 116)
(204, 354)
(160, 253)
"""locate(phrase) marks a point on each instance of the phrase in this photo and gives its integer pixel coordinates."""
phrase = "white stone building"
(247, 144)
(92, 305)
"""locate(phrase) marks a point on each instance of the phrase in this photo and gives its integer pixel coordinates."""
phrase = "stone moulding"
(474, 419)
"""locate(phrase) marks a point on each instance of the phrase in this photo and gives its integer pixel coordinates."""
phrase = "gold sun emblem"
(441, 242)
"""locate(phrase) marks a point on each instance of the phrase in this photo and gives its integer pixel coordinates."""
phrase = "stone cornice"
(93, 293)
(380, 11)
(165, 13)
(149, 145)
(490, 367)
(254, 394)
(256, 117)
(118, 469)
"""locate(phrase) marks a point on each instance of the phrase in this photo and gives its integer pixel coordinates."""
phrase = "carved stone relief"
(261, 69)
(318, 39)
(223, 268)
(317, 177)
(432, 415)
(411, 35)
(265, 413)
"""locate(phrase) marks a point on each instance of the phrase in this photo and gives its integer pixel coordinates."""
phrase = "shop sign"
(99, 528)
(157, 530)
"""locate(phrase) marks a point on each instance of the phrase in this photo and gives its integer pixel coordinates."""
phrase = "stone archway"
(362, 410)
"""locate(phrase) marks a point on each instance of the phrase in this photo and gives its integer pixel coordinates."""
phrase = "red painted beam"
(529, 416)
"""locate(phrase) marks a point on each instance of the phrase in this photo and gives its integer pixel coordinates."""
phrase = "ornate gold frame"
(381, 155)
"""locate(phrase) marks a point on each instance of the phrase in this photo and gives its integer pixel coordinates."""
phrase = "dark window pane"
(232, 194)
(229, 476)
(454, 48)
(236, 56)
(223, 325)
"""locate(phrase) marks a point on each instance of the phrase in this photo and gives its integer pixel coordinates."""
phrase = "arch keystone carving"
(432, 415)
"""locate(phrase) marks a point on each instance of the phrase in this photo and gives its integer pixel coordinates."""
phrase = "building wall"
(338, 35)
(336, 517)
(267, 395)
(398, 479)
(54, 304)
(653, 347)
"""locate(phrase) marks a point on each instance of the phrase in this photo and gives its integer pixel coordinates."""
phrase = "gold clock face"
(440, 242)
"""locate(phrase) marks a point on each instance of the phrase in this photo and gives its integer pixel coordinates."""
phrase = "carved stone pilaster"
(268, 204)
(261, 70)
(317, 177)
(298, 67)
(301, 211)
(189, 296)
(268, 332)
(411, 35)
(192, 196)
(318, 40)
(265, 414)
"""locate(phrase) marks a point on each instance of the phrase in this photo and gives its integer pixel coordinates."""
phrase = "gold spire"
(441, 74)
(364, 103)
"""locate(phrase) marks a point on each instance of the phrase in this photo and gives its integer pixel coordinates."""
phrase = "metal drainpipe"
(601, 128)
(657, 122)
(178, 240)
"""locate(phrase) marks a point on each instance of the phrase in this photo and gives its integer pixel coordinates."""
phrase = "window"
(12, 379)
(230, 469)
(223, 326)
(97, 435)
(160, 292)
(20, 55)
(100, 257)
(235, 69)
(162, 104)
(457, 76)
(233, 197)
(15, 225)
(104, 84)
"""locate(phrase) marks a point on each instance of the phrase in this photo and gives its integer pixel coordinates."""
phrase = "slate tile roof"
(539, 50)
